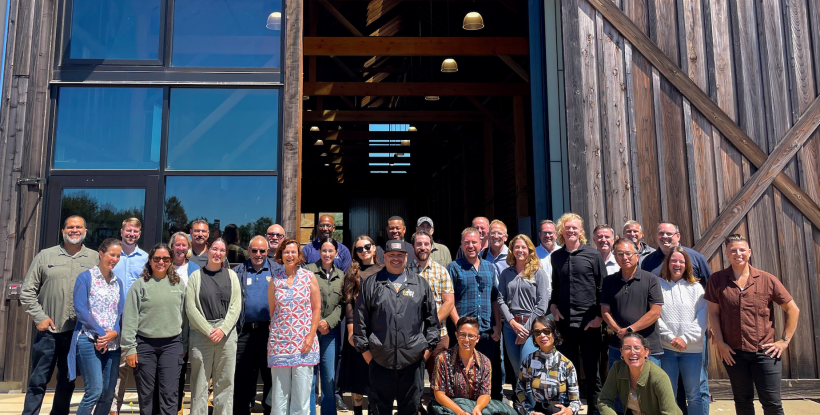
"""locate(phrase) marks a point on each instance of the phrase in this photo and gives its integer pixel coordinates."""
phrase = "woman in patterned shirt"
(99, 298)
(547, 382)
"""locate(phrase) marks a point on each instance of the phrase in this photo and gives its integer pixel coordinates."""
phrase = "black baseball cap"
(395, 246)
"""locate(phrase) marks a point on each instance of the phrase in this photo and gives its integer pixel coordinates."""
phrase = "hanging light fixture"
(405, 143)
(431, 98)
(314, 128)
(275, 21)
(319, 142)
(473, 21)
(449, 65)
(411, 128)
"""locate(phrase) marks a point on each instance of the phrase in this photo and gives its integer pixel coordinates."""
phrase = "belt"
(521, 319)
(256, 325)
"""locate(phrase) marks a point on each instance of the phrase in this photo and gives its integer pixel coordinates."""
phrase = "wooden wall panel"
(647, 153)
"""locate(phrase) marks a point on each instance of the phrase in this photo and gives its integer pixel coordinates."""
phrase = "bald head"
(275, 235)
(482, 225)
(258, 250)
(325, 227)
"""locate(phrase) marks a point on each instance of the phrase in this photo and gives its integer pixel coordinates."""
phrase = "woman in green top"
(643, 385)
(152, 336)
(214, 301)
(330, 280)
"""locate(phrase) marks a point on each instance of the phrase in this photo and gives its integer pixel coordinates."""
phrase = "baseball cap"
(425, 219)
(395, 246)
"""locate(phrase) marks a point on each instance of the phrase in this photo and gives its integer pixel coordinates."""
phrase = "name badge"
(250, 281)
(408, 293)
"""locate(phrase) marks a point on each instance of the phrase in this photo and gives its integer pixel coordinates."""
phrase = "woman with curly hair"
(152, 335)
(523, 294)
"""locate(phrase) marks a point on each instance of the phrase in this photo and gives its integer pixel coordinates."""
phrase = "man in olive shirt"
(47, 296)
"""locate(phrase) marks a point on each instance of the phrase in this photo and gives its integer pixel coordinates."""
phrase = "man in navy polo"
(324, 230)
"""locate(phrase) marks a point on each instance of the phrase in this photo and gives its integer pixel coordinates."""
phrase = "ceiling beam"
(414, 89)
(415, 46)
(338, 16)
(515, 67)
(394, 116)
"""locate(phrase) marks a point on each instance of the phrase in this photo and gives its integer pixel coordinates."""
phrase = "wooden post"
(292, 120)
(489, 185)
(519, 121)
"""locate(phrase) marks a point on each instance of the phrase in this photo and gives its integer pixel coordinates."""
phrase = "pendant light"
(412, 129)
(319, 142)
(314, 128)
(405, 143)
(275, 21)
(473, 21)
(449, 65)
(431, 98)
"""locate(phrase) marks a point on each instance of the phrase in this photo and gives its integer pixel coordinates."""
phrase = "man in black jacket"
(395, 327)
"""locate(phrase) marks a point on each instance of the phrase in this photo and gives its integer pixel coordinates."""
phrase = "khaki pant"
(126, 373)
(215, 361)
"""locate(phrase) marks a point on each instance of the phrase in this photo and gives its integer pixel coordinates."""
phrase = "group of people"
(371, 320)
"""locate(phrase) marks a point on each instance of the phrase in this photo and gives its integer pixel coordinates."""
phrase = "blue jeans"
(325, 371)
(688, 365)
(516, 352)
(614, 356)
(704, 375)
(50, 350)
(99, 372)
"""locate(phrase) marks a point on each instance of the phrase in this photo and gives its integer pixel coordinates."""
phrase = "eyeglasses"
(541, 332)
(667, 234)
(217, 251)
(258, 251)
(463, 336)
(158, 259)
(275, 235)
(496, 233)
(547, 233)
(634, 349)
(620, 254)
(325, 226)
(366, 247)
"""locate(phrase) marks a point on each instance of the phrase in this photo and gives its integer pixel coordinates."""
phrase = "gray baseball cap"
(425, 219)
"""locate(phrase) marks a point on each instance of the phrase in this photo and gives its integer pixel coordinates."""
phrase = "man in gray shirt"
(47, 296)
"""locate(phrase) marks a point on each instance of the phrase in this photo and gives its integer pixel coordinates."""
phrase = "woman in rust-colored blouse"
(741, 302)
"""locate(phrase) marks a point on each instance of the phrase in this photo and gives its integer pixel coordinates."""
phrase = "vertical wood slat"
(747, 72)
(657, 112)
(292, 118)
(575, 106)
(634, 167)
(691, 166)
(603, 125)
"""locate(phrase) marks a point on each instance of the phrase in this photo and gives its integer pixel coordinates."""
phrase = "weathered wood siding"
(639, 150)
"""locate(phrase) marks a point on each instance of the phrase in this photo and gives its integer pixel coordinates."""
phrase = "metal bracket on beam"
(31, 181)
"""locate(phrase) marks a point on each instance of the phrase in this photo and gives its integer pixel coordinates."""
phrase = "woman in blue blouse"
(99, 298)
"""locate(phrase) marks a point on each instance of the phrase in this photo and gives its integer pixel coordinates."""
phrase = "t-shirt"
(215, 293)
(630, 300)
(182, 271)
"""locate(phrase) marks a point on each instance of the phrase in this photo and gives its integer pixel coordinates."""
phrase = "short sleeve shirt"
(457, 381)
(628, 301)
(746, 316)
(439, 280)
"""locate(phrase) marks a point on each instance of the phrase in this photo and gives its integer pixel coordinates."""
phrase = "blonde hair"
(498, 222)
(133, 222)
(173, 240)
(532, 262)
(559, 228)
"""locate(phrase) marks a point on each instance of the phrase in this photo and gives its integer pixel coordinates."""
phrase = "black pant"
(589, 343)
(50, 350)
(159, 362)
(251, 359)
(403, 385)
(755, 370)
(183, 372)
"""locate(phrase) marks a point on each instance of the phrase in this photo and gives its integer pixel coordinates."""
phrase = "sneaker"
(340, 404)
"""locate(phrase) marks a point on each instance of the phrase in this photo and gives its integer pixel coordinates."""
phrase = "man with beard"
(440, 284)
(395, 327)
(200, 232)
(482, 226)
(132, 262)
(46, 296)
(275, 235)
(439, 253)
(395, 232)
(324, 230)
(603, 236)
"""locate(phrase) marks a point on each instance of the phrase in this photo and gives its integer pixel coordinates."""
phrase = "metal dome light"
(275, 21)
(449, 65)
(473, 21)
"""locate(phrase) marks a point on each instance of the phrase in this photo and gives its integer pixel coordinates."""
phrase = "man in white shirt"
(604, 237)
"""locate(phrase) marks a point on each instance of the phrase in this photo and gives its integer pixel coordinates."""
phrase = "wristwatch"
(629, 329)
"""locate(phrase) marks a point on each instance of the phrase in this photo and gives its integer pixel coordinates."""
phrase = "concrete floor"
(12, 403)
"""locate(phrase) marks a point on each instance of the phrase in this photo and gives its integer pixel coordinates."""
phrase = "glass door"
(104, 202)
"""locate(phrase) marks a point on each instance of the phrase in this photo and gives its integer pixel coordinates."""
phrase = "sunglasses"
(258, 251)
(360, 249)
(275, 235)
(158, 259)
(541, 332)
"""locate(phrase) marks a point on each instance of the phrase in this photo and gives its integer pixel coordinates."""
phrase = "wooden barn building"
(252, 112)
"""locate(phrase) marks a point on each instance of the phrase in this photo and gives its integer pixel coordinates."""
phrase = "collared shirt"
(475, 290)
(644, 251)
(543, 252)
(48, 289)
(629, 300)
(103, 301)
(500, 261)
(746, 315)
(611, 266)
(576, 284)
(457, 381)
(313, 253)
(700, 266)
(130, 266)
(440, 254)
(257, 308)
(550, 378)
(439, 280)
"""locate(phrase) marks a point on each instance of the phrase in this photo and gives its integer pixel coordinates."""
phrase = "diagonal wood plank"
(679, 79)
(762, 179)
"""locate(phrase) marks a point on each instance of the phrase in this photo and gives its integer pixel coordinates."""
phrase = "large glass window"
(227, 34)
(103, 209)
(223, 129)
(115, 29)
(108, 128)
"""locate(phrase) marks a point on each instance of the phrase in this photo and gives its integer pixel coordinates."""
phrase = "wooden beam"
(765, 175)
(415, 46)
(711, 111)
(394, 116)
(522, 200)
(486, 112)
(340, 17)
(417, 89)
(291, 120)
(515, 67)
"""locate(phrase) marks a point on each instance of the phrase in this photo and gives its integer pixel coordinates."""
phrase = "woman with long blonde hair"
(523, 295)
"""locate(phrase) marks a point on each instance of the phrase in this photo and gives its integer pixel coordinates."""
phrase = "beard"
(77, 241)
(422, 255)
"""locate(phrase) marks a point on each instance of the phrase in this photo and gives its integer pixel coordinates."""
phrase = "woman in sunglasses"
(152, 334)
(99, 298)
(547, 381)
(214, 300)
(643, 385)
(353, 377)
(330, 280)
